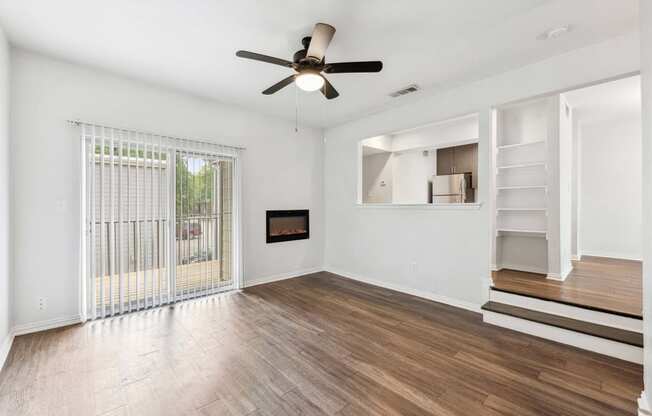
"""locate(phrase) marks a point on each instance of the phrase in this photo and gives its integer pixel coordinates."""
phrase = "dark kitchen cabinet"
(464, 158)
(445, 161)
(457, 159)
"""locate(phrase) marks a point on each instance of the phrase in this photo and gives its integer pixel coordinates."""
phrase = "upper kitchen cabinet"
(465, 158)
(445, 161)
(457, 159)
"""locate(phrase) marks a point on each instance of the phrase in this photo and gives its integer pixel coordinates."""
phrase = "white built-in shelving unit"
(520, 186)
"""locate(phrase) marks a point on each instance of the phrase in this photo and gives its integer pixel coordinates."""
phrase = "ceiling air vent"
(404, 91)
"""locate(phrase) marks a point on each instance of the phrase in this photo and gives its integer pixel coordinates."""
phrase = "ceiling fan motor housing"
(299, 56)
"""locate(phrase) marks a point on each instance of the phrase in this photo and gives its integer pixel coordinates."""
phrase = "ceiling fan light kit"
(309, 80)
(309, 63)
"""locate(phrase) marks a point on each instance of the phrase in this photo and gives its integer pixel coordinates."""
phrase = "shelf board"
(519, 187)
(537, 233)
(522, 209)
(516, 145)
(523, 165)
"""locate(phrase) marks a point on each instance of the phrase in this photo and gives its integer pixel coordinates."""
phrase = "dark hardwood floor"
(315, 345)
(613, 285)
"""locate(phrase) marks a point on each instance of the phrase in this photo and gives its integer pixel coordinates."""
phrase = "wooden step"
(573, 311)
(566, 302)
(588, 328)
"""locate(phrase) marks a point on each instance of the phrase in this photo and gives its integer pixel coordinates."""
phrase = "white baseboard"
(75, 319)
(521, 267)
(282, 276)
(643, 406)
(5, 347)
(567, 270)
(410, 291)
(560, 276)
(575, 257)
(46, 324)
(611, 255)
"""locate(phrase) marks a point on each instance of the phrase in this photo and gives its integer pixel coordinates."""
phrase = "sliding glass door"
(204, 232)
(129, 247)
(158, 221)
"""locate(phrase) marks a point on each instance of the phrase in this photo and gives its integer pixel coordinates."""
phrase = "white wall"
(645, 13)
(610, 216)
(440, 134)
(5, 203)
(383, 142)
(281, 170)
(412, 172)
(441, 253)
(565, 186)
(576, 189)
(377, 181)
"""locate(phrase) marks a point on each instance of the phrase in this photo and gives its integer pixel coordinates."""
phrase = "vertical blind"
(160, 219)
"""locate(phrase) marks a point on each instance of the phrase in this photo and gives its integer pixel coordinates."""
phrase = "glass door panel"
(204, 235)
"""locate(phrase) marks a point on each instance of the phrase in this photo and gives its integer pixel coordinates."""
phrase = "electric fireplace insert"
(288, 225)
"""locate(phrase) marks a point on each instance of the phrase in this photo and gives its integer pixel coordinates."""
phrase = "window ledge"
(446, 207)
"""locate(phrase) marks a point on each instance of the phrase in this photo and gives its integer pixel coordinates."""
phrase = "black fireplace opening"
(288, 225)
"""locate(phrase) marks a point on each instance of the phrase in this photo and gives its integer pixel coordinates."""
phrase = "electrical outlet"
(413, 267)
(61, 206)
(42, 303)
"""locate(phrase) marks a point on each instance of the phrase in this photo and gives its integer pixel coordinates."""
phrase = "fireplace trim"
(287, 213)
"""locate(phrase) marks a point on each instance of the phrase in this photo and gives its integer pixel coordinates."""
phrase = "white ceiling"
(619, 99)
(190, 45)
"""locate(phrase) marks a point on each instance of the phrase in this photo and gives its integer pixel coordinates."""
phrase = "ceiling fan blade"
(322, 35)
(328, 90)
(281, 84)
(263, 58)
(349, 67)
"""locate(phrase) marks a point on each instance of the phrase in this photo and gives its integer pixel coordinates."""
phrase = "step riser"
(586, 342)
(560, 309)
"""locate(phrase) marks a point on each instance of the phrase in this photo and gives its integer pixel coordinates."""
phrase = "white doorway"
(607, 170)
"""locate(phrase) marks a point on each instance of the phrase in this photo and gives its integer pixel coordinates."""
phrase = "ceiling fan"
(309, 63)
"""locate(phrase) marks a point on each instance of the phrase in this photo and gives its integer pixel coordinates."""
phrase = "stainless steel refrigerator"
(449, 189)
